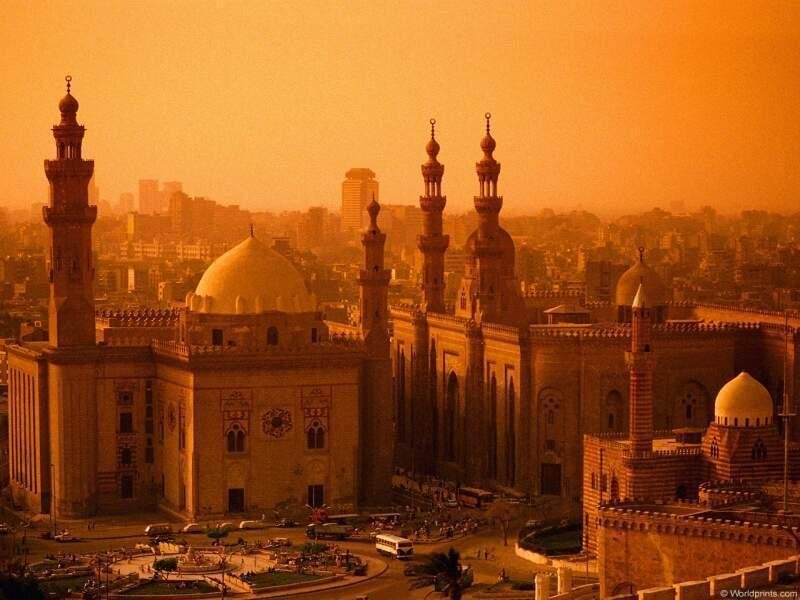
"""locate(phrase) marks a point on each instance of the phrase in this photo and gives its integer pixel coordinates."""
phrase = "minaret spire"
(374, 279)
(70, 218)
(432, 242)
(641, 364)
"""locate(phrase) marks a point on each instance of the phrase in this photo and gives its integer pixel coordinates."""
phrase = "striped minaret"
(640, 363)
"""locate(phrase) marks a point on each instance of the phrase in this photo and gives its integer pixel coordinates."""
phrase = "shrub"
(166, 564)
(522, 585)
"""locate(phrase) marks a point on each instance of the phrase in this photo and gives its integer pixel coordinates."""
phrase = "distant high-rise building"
(169, 188)
(358, 188)
(149, 196)
(127, 203)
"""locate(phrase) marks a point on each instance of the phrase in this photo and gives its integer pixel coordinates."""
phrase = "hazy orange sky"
(608, 105)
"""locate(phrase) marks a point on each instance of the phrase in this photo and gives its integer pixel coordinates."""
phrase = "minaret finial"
(641, 254)
(68, 79)
(433, 129)
(488, 116)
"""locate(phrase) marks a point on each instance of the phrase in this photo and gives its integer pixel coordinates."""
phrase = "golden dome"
(641, 274)
(251, 278)
(743, 402)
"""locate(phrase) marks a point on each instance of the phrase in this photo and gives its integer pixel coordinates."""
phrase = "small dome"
(743, 402)
(251, 278)
(641, 274)
(432, 148)
(488, 144)
(68, 105)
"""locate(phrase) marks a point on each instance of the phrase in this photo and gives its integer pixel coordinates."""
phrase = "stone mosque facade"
(488, 393)
(243, 399)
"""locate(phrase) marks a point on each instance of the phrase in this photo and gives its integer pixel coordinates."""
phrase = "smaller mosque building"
(243, 399)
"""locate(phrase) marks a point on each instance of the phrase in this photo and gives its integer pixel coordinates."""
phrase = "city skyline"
(612, 108)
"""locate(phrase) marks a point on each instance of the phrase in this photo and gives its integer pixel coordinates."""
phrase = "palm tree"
(444, 568)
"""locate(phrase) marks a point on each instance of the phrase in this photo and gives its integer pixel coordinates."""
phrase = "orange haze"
(608, 105)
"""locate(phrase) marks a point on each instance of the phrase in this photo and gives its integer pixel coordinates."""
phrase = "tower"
(640, 364)
(489, 289)
(432, 243)
(70, 218)
(377, 450)
(373, 279)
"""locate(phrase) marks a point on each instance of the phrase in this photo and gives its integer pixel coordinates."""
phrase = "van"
(157, 529)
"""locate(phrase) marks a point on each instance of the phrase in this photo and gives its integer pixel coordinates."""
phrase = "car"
(251, 525)
(65, 536)
(157, 529)
(193, 528)
(533, 524)
(282, 541)
(288, 523)
(226, 526)
(451, 503)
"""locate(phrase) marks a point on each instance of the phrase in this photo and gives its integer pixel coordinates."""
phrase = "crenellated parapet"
(137, 318)
(652, 521)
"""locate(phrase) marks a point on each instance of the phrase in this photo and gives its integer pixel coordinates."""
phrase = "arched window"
(614, 488)
(759, 451)
(451, 406)
(126, 457)
(463, 301)
(511, 434)
(614, 407)
(493, 427)
(315, 436)
(272, 336)
(401, 397)
(714, 448)
(234, 439)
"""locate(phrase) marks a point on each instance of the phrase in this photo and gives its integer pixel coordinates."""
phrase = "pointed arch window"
(759, 451)
(272, 336)
(315, 436)
(235, 439)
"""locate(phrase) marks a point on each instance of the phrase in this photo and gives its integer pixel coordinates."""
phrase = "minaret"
(70, 219)
(640, 364)
(489, 290)
(374, 279)
(432, 243)
(376, 410)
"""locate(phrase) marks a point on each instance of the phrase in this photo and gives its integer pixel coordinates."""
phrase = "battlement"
(336, 344)
(571, 294)
(623, 330)
(137, 318)
(626, 516)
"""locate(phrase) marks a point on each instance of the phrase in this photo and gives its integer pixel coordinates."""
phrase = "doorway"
(551, 479)
(236, 500)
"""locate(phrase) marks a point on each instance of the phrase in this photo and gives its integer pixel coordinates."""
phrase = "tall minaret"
(489, 289)
(374, 279)
(641, 363)
(376, 410)
(432, 243)
(70, 219)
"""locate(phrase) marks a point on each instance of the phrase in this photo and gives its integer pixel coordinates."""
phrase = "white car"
(193, 528)
(251, 525)
(65, 536)
(227, 526)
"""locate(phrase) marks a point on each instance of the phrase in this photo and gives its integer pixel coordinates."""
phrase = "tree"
(503, 514)
(443, 571)
(19, 587)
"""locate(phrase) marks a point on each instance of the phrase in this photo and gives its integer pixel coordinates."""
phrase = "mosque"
(497, 393)
(243, 399)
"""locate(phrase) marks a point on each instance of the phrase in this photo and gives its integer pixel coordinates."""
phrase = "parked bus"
(474, 497)
(394, 546)
(318, 531)
(344, 519)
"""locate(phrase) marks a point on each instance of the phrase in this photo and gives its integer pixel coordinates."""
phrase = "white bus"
(392, 545)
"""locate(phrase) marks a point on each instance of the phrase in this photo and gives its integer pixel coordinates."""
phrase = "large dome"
(743, 402)
(251, 278)
(641, 274)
